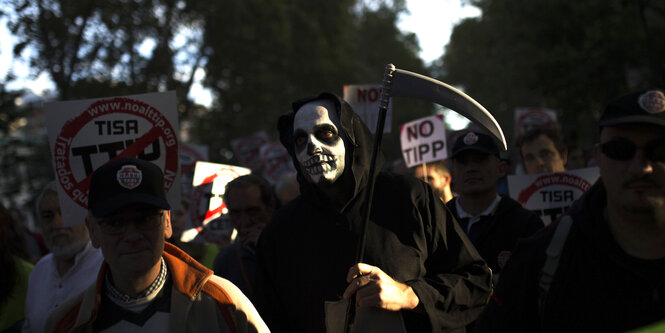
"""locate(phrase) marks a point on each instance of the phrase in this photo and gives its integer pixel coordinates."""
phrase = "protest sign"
(207, 212)
(247, 149)
(527, 118)
(365, 100)
(189, 154)
(423, 140)
(85, 134)
(550, 194)
(276, 161)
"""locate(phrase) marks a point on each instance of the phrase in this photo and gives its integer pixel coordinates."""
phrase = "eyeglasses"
(622, 149)
(118, 225)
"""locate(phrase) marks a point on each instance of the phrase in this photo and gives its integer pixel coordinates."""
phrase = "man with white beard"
(71, 266)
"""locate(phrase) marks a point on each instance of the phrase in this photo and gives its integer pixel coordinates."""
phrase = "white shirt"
(47, 289)
(461, 213)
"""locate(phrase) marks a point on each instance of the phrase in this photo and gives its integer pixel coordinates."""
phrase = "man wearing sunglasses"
(599, 268)
(146, 284)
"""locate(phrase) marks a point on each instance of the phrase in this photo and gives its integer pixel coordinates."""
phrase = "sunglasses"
(622, 149)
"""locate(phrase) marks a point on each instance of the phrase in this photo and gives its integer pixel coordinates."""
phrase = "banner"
(85, 134)
(551, 194)
(527, 118)
(423, 140)
(365, 100)
(189, 154)
(207, 212)
(247, 149)
(276, 161)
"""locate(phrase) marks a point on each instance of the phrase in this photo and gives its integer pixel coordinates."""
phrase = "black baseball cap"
(474, 141)
(124, 182)
(647, 106)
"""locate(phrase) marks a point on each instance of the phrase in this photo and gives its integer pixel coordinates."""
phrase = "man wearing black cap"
(146, 284)
(599, 268)
(493, 223)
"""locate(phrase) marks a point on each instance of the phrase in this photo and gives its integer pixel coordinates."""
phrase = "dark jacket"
(502, 229)
(237, 263)
(305, 252)
(597, 287)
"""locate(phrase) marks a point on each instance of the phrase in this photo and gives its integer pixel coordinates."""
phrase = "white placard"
(85, 134)
(551, 194)
(423, 140)
(527, 118)
(207, 220)
(365, 100)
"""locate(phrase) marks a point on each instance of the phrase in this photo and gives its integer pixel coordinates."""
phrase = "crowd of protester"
(445, 248)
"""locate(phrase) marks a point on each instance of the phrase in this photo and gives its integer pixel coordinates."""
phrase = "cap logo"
(470, 138)
(129, 176)
(652, 101)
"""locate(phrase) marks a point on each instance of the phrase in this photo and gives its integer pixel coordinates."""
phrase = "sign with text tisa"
(423, 140)
(85, 134)
(551, 194)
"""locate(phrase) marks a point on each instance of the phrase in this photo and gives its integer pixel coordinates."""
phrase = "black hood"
(358, 141)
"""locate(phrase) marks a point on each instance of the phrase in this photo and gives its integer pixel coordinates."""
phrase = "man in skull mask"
(417, 259)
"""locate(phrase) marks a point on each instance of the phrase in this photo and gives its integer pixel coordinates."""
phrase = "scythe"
(401, 83)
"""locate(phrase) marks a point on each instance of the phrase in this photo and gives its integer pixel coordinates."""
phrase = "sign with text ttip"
(365, 100)
(84, 134)
(551, 194)
(423, 140)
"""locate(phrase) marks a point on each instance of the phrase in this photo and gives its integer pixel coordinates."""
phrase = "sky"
(431, 20)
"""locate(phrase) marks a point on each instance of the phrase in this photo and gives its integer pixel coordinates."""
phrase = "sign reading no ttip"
(423, 140)
(85, 134)
(365, 100)
(551, 194)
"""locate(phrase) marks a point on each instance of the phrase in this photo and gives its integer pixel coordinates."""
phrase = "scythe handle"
(378, 136)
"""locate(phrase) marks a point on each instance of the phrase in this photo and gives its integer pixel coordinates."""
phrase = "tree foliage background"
(571, 56)
(258, 56)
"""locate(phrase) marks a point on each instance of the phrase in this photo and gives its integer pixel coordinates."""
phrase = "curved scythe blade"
(409, 84)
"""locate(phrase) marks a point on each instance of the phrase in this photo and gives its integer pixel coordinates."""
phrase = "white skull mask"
(318, 146)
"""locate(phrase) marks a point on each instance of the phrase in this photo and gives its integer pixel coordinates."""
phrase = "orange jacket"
(200, 301)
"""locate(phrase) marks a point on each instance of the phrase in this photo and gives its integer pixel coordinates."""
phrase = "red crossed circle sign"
(161, 129)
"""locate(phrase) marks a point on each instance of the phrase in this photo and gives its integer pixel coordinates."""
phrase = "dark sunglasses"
(621, 149)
